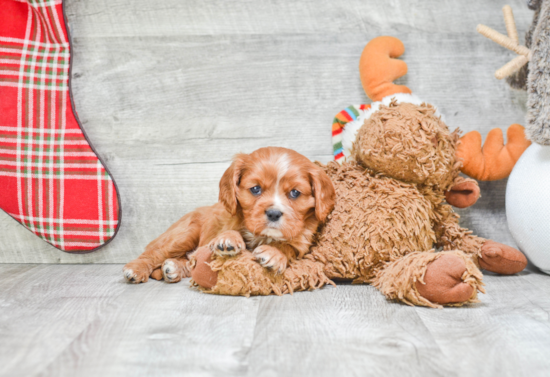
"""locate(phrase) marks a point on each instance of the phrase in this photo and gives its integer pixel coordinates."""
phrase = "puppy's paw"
(229, 243)
(137, 271)
(271, 257)
(173, 270)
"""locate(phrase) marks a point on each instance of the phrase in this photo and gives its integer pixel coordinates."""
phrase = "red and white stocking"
(51, 180)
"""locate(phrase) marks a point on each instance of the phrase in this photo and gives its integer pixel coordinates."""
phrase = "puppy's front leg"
(271, 257)
(228, 243)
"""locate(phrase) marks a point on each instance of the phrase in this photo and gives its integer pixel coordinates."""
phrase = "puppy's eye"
(294, 193)
(256, 190)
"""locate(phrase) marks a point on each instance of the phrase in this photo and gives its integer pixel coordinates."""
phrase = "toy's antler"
(495, 160)
(378, 67)
(511, 42)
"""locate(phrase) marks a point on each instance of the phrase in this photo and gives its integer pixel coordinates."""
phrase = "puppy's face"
(278, 191)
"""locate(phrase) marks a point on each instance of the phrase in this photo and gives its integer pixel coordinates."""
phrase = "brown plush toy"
(396, 177)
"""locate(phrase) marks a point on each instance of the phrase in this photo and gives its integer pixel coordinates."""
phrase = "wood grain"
(169, 93)
(84, 320)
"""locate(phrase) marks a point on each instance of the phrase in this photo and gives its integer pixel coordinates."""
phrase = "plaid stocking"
(51, 180)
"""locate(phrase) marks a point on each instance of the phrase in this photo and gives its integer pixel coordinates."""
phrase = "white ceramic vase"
(528, 205)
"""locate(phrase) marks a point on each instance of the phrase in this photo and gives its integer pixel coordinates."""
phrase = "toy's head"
(408, 142)
(400, 135)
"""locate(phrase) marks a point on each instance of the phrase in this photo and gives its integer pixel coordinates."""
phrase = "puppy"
(271, 202)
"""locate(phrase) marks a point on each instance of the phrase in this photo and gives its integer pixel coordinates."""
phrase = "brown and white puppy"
(271, 202)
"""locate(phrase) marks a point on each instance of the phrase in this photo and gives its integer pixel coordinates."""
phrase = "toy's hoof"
(443, 281)
(201, 273)
(156, 274)
(502, 259)
(463, 194)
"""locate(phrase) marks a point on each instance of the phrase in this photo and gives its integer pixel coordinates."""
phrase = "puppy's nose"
(273, 214)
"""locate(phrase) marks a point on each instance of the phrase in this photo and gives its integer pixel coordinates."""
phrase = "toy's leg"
(242, 275)
(431, 279)
(487, 254)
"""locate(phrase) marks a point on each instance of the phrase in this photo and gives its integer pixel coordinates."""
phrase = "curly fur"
(243, 276)
(389, 214)
(376, 219)
(397, 281)
(422, 152)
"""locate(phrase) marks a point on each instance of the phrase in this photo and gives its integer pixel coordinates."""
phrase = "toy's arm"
(464, 193)
(494, 160)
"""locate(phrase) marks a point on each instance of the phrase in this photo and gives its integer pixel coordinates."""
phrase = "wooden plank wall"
(169, 91)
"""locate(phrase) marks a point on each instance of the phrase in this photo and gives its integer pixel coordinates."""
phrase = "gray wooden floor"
(83, 320)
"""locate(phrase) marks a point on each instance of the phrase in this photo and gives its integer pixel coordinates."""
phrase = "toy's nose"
(273, 214)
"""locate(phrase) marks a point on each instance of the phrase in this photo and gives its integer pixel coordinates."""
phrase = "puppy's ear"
(324, 193)
(229, 183)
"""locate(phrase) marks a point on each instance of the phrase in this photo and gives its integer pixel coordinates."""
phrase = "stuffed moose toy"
(396, 176)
